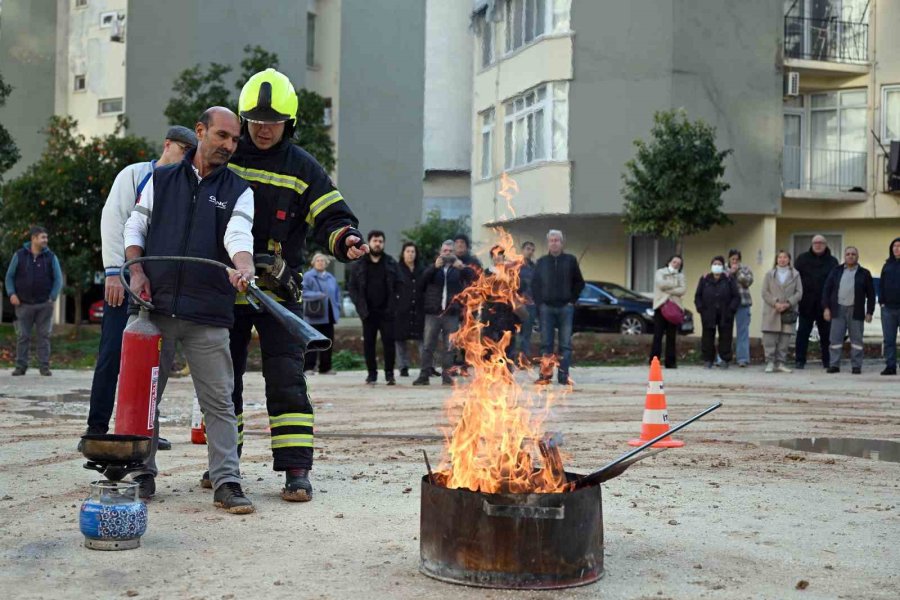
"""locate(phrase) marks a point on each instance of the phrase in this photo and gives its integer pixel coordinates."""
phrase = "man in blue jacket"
(33, 282)
(889, 298)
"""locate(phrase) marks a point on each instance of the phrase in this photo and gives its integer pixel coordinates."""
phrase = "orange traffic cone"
(656, 417)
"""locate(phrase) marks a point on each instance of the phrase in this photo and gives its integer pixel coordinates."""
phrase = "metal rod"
(428, 464)
(596, 475)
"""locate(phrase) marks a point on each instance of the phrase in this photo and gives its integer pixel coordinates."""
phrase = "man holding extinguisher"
(198, 208)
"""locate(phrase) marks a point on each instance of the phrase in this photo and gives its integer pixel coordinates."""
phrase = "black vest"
(189, 219)
(34, 276)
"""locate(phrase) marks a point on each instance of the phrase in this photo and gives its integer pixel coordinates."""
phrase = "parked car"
(605, 306)
(95, 312)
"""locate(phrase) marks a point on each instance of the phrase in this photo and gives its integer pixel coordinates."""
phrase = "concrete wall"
(325, 77)
(634, 58)
(28, 55)
(167, 36)
(448, 86)
(382, 98)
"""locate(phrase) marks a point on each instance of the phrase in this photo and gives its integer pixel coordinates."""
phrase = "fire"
(498, 432)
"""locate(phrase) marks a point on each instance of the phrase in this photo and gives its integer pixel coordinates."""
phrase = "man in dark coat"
(814, 267)
(849, 303)
(889, 298)
(373, 287)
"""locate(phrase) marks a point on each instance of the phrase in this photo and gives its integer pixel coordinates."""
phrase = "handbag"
(672, 313)
(789, 317)
(315, 309)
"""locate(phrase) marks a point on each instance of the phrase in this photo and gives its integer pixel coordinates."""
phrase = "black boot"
(146, 486)
(297, 487)
(231, 497)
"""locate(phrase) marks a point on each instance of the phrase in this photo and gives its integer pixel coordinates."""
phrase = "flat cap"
(177, 133)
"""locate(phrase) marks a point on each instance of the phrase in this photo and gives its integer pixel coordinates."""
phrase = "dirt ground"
(724, 517)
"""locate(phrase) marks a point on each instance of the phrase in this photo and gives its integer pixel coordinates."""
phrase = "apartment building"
(563, 87)
(384, 67)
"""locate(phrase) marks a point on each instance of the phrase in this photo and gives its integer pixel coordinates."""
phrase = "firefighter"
(293, 194)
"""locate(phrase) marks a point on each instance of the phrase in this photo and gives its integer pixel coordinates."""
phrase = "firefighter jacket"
(292, 193)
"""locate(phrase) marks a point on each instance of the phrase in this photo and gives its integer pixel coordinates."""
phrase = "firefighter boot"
(297, 487)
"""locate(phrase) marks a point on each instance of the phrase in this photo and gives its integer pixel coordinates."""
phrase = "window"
(802, 242)
(647, 255)
(80, 3)
(527, 20)
(837, 140)
(487, 140)
(486, 39)
(449, 207)
(110, 106)
(310, 39)
(536, 125)
(107, 19)
(890, 114)
(327, 114)
(80, 83)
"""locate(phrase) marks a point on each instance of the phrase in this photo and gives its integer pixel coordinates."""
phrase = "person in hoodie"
(781, 293)
(849, 301)
(717, 299)
(889, 298)
(814, 267)
(33, 282)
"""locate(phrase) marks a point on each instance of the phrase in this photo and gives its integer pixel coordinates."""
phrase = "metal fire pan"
(116, 449)
(520, 541)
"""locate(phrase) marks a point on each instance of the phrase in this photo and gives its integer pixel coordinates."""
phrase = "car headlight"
(649, 312)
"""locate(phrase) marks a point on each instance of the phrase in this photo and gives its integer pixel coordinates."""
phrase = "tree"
(9, 152)
(199, 88)
(430, 234)
(673, 186)
(65, 191)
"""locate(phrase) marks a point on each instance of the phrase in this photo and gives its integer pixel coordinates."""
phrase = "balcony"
(826, 45)
(825, 174)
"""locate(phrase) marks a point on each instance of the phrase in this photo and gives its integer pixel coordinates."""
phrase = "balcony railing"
(826, 40)
(823, 170)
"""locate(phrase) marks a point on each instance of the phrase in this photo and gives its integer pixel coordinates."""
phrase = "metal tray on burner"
(108, 449)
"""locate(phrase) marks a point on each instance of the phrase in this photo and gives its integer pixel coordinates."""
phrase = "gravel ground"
(727, 516)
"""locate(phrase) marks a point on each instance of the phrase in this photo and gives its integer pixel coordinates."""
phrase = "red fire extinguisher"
(138, 377)
(198, 426)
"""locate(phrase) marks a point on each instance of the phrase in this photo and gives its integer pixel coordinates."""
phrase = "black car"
(605, 306)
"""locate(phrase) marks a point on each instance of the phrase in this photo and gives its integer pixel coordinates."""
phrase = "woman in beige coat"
(668, 284)
(781, 292)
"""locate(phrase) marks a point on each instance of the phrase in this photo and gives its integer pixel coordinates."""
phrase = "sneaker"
(743, 365)
(404, 372)
(45, 371)
(231, 497)
(783, 369)
(146, 485)
(390, 379)
(833, 370)
(163, 444)
(18, 371)
(770, 368)
(434, 372)
(542, 381)
(723, 365)
(856, 371)
(446, 380)
(371, 379)
(205, 481)
(563, 379)
(799, 366)
(889, 371)
(421, 380)
(297, 487)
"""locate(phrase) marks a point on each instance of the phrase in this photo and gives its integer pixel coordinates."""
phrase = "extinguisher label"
(154, 380)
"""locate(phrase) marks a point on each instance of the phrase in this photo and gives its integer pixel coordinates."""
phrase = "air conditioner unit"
(893, 167)
(792, 84)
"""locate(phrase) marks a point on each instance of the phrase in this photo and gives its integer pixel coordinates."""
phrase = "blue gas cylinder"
(113, 517)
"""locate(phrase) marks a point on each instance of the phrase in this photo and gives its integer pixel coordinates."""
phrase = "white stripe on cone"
(656, 416)
(655, 387)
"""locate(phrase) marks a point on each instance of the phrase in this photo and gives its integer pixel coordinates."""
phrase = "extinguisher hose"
(310, 339)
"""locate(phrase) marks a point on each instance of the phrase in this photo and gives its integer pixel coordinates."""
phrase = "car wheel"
(631, 325)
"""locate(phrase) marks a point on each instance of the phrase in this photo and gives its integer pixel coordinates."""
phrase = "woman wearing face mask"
(668, 286)
(717, 299)
(409, 322)
(781, 293)
(321, 309)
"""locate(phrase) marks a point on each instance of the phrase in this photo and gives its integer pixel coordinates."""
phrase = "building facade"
(562, 88)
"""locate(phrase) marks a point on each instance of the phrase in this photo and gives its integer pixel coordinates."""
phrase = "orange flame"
(498, 423)
(508, 189)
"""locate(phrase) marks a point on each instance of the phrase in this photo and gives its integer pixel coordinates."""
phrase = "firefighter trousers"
(287, 401)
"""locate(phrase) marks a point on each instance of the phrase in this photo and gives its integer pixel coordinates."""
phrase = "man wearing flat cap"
(123, 197)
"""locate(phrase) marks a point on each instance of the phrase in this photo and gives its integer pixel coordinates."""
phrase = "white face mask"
(717, 269)
(672, 269)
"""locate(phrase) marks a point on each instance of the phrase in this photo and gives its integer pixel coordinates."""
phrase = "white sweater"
(119, 204)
